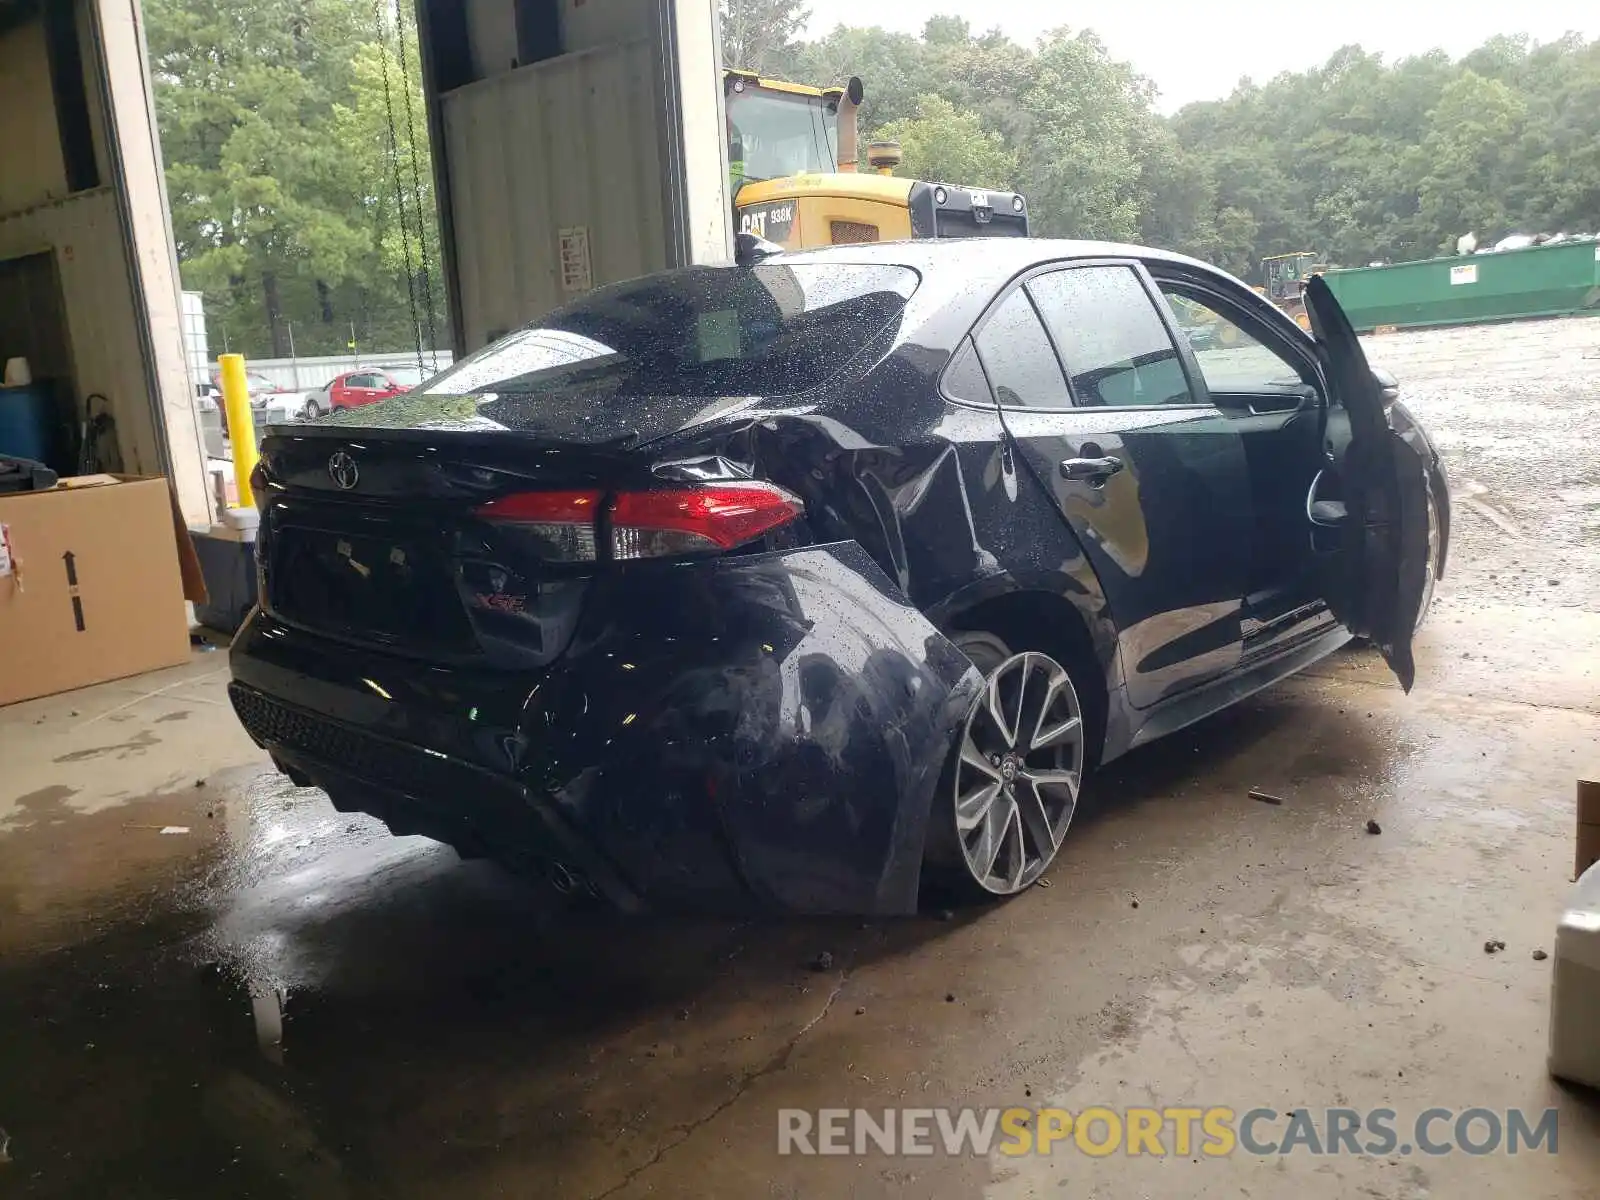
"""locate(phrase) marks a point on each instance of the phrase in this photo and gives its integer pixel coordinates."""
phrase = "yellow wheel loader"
(1286, 277)
(793, 152)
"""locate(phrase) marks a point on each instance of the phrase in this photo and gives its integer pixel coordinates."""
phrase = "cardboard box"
(93, 578)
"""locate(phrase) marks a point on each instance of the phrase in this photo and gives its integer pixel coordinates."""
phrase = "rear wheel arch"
(1053, 624)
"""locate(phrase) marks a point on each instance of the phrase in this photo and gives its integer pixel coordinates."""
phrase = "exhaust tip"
(848, 132)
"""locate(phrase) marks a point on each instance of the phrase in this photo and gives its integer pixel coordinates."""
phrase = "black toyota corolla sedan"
(794, 584)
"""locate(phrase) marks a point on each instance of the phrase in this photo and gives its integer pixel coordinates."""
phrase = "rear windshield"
(701, 331)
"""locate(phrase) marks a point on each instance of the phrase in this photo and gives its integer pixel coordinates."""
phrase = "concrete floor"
(286, 1001)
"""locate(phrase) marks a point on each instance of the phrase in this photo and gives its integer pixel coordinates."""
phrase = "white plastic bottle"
(1575, 986)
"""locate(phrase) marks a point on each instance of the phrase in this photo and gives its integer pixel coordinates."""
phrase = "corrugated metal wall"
(586, 24)
(492, 33)
(524, 166)
(86, 238)
(32, 172)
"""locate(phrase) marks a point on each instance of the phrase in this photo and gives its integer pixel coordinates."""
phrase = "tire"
(1010, 788)
(1435, 547)
(312, 409)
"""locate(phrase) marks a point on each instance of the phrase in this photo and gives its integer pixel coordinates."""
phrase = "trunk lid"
(460, 547)
(372, 537)
(536, 420)
(366, 462)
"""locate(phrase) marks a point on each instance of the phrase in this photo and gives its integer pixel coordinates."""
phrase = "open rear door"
(1380, 569)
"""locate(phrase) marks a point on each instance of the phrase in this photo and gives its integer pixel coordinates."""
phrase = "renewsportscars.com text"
(1178, 1131)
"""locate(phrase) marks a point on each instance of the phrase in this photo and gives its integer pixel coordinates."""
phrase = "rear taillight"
(561, 524)
(691, 520)
(656, 524)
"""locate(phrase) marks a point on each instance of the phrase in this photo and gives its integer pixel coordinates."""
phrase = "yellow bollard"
(241, 424)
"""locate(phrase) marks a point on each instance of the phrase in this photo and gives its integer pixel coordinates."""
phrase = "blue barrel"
(28, 422)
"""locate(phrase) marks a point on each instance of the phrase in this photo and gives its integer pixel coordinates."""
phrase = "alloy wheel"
(1018, 773)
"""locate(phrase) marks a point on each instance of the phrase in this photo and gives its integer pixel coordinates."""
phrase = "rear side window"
(1112, 338)
(963, 378)
(700, 331)
(1018, 358)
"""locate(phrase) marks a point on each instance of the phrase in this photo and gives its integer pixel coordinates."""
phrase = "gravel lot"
(1515, 410)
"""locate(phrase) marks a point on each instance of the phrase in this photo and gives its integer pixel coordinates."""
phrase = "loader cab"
(1286, 277)
(793, 155)
(777, 129)
(1287, 274)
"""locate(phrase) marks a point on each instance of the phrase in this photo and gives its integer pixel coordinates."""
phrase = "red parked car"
(362, 386)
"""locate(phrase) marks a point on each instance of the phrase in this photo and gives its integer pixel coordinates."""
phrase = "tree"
(390, 194)
(1468, 161)
(760, 35)
(940, 143)
(892, 67)
(279, 168)
(238, 87)
(1561, 187)
(1092, 117)
(1360, 160)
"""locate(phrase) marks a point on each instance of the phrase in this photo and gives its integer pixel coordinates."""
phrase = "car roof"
(960, 276)
(984, 256)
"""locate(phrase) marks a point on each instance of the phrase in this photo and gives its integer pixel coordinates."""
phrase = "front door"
(1097, 401)
(1269, 383)
(1375, 497)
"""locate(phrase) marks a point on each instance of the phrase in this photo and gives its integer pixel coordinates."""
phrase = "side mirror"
(750, 249)
(1388, 385)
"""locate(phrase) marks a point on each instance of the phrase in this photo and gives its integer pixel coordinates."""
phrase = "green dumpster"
(1539, 281)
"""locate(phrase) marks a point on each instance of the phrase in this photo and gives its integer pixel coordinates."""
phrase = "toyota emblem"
(343, 471)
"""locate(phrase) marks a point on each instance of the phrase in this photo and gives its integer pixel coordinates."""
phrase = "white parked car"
(283, 407)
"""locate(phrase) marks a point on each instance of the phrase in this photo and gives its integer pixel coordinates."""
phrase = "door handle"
(1092, 470)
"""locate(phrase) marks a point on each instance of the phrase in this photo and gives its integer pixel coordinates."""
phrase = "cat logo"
(774, 222)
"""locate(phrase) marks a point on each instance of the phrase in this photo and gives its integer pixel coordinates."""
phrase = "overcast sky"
(1198, 49)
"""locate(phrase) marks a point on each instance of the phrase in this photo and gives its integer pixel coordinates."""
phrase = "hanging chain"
(416, 186)
(399, 190)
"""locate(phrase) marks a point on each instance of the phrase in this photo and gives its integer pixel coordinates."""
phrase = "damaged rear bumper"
(760, 732)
